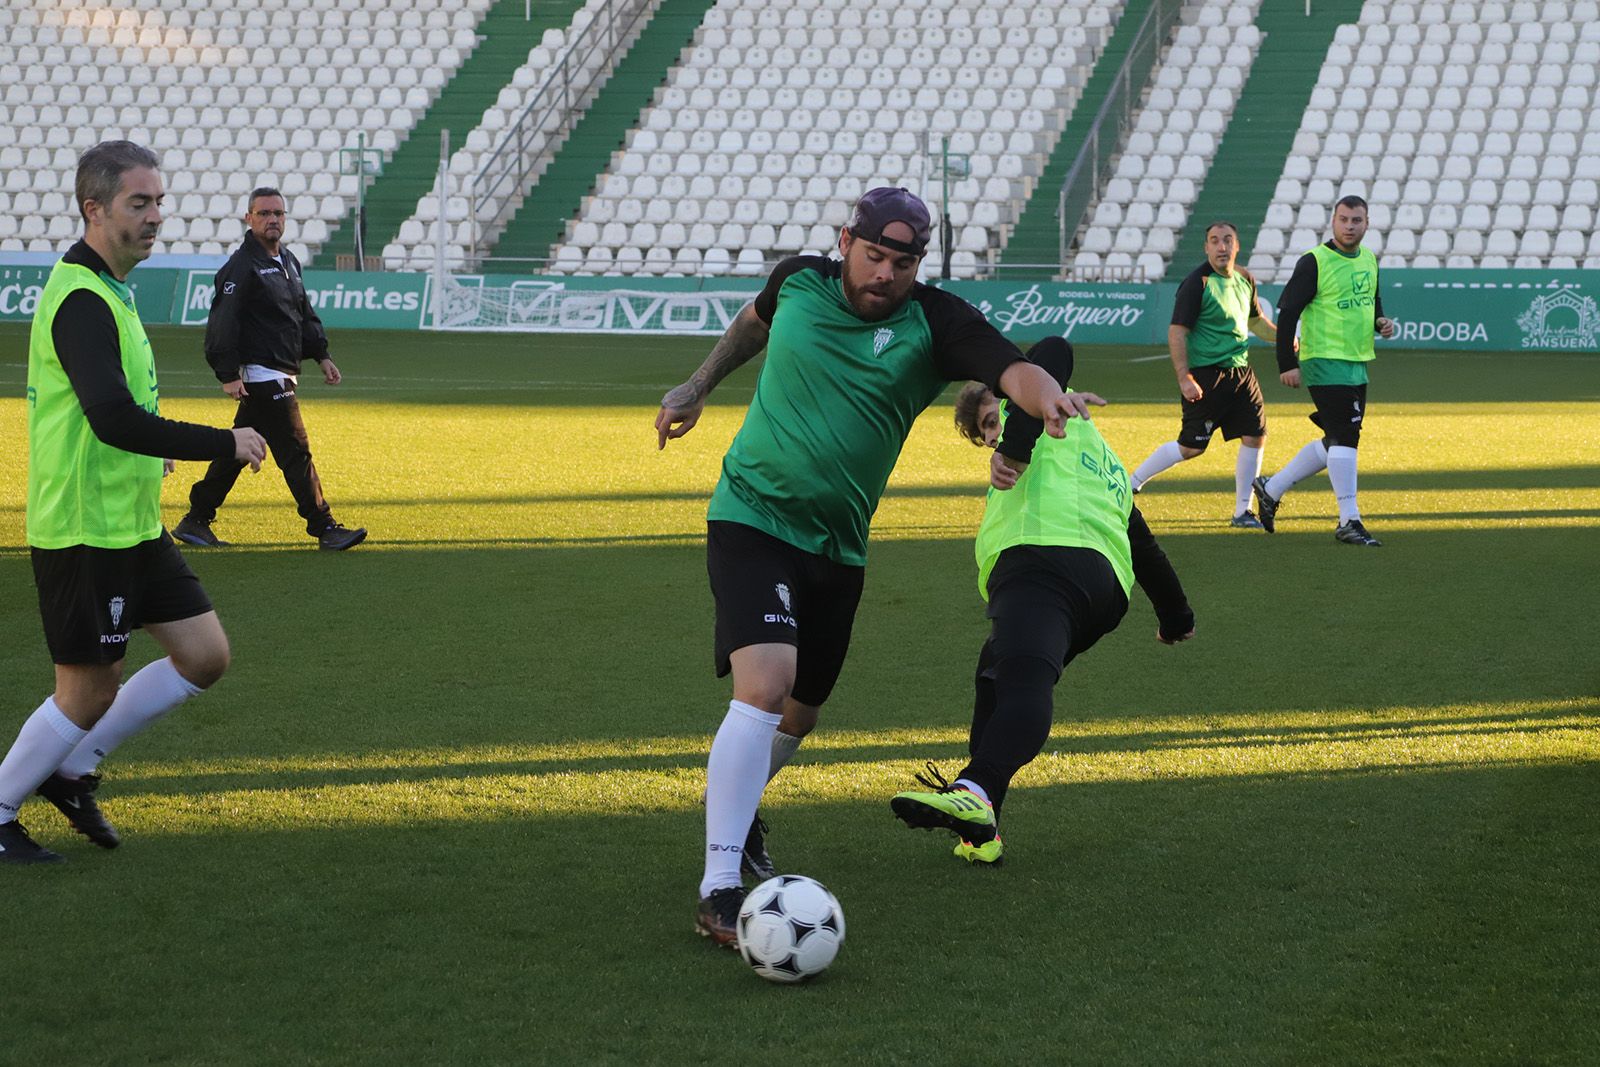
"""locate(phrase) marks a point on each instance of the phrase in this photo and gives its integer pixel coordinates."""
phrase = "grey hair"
(100, 170)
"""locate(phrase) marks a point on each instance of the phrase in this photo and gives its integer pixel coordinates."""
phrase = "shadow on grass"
(830, 754)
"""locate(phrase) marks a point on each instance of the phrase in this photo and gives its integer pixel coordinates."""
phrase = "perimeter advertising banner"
(20, 288)
(1483, 310)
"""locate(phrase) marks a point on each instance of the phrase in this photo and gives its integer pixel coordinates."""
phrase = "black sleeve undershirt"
(1022, 430)
(1154, 573)
(86, 340)
(1299, 293)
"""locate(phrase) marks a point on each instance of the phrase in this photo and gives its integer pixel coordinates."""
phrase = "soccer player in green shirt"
(1059, 548)
(1333, 297)
(856, 349)
(101, 560)
(1215, 313)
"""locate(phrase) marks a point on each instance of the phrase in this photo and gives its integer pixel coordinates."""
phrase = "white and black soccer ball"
(790, 928)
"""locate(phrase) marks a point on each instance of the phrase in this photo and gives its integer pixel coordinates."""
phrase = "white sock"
(736, 773)
(1342, 473)
(1245, 472)
(1308, 461)
(784, 746)
(41, 745)
(155, 690)
(1168, 455)
(975, 789)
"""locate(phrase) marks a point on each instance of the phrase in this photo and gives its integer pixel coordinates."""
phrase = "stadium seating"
(189, 79)
(416, 245)
(782, 113)
(1470, 127)
(1194, 88)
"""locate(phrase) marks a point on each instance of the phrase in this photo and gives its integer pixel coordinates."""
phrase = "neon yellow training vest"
(1337, 324)
(1074, 493)
(82, 491)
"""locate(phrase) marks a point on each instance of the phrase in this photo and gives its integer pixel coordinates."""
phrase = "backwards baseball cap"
(879, 208)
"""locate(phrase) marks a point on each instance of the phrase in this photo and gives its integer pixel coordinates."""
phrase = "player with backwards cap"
(856, 349)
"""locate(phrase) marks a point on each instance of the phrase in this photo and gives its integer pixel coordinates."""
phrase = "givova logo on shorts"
(784, 616)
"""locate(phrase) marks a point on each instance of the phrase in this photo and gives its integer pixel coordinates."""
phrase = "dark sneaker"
(17, 847)
(1246, 521)
(754, 862)
(191, 532)
(337, 538)
(717, 916)
(1353, 533)
(74, 797)
(1267, 506)
(946, 807)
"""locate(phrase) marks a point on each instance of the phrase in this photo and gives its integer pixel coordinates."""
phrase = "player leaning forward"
(101, 560)
(1059, 549)
(855, 351)
(1333, 297)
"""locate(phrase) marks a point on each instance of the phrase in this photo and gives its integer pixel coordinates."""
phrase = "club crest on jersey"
(881, 340)
(116, 605)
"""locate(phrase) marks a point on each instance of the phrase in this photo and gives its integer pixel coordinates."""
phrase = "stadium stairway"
(542, 218)
(1260, 134)
(1037, 236)
(506, 38)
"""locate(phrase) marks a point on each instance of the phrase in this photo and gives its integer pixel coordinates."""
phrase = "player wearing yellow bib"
(856, 349)
(1333, 297)
(101, 560)
(1060, 546)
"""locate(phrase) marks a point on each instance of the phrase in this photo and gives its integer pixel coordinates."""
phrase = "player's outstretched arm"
(744, 339)
(1034, 390)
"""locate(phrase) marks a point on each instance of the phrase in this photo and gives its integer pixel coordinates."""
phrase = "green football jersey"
(1075, 493)
(1217, 310)
(835, 400)
(82, 491)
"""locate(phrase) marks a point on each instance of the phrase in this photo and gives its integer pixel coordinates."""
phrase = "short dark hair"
(260, 191)
(100, 170)
(1352, 201)
(1214, 223)
(969, 403)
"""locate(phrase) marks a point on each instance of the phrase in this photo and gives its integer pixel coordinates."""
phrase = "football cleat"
(1267, 506)
(946, 807)
(717, 916)
(17, 847)
(987, 854)
(193, 532)
(74, 798)
(337, 538)
(1353, 533)
(754, 861)
(1246, 521)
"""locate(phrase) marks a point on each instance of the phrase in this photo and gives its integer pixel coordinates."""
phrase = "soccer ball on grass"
(790, 928)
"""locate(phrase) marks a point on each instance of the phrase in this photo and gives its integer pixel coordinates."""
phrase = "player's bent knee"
(1191, 451)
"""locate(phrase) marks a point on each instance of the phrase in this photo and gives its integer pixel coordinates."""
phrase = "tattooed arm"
(680, 408)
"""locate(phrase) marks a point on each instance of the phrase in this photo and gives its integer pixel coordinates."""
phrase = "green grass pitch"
(443, 809)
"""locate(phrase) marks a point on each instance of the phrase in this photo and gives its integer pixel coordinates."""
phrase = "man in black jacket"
(261, 327)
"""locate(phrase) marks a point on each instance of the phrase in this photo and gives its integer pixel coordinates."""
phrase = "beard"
(856, 296)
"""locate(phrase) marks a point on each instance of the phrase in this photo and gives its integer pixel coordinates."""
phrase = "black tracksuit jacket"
(260, 314)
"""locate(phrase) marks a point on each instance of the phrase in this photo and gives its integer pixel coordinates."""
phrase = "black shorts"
(1230, 401)
(769, 592)
(1052, 603)
(91, 599)
(1340, 409)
